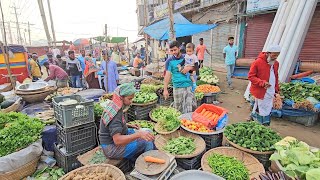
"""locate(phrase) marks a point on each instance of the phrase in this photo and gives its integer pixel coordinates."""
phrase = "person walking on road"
(109, 70)
(263, 76)
(230, 56)
(201, 49)
(74, 70)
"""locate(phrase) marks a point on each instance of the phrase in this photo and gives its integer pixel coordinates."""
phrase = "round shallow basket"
(14, 107)
(31, 87)
(247, 150)
(196, 174)
(252, 164)
(22, 172)
(37, 97)
(145, 104)
(159, 130)
(188, 116)
(6, 87)
(150, 115)
(161, 141)
(109, 169)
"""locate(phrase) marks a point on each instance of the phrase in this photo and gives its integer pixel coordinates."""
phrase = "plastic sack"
(222, 122)
(197, 117)
(15, 160)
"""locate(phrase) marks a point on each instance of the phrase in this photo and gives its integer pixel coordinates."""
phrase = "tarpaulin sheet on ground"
(182, 27)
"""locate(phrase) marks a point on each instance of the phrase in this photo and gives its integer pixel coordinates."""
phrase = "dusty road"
(239, 110)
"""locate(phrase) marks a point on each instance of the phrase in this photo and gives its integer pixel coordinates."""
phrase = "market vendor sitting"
(119, 140)
(137, 64)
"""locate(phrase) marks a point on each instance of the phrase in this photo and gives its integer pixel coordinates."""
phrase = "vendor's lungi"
(184, 99)
(129, 151)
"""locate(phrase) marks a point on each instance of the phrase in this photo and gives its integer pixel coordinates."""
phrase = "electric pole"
(106, 32)
(44, 21)
(24, 35)
(172, 33)
(29, 32)
(52, 27)
(17, 24)
(145, 35)
(10, 34)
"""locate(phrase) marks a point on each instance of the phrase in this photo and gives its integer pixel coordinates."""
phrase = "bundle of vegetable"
(305, 104)
(98, 158)
(150, 88)
(159, 92)
(199, 95)
(252, 135)
(143, 124)
(271, 176)
(195, 126)
(17, 132)
(228, 167)
(142, 97)
(169, 122)
(48, 173)
(277, 102)
(297, 158)
(162, 111)
(180, 146)
(206, 75)
(98, 110)
(206, 88)
(299, 91)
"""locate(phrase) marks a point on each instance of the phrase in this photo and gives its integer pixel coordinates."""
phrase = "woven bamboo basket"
(109, 169)
(86, 157)
(161, 141)
(150, 113)
(22, 172)
(159, 129)
(7, 88)
(14, 107)
(253, 165)
(145, 104)
(247, 150)
(32, 98)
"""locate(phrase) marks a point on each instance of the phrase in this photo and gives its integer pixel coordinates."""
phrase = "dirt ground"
(239, 110)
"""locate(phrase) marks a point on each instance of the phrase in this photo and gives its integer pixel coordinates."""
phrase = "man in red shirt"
(58, 74)
(263, 75)
(201, 49)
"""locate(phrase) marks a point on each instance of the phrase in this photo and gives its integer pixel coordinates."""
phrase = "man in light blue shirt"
(230, 56)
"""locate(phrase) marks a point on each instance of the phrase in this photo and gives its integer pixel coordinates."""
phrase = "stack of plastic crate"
(76, 129)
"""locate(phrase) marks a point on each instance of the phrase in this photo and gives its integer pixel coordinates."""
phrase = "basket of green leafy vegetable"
(144, 98)
(231, 163)
(180, 144)
(167, 124)
(161, 111)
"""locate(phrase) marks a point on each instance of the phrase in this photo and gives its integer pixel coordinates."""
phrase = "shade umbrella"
(81, 42)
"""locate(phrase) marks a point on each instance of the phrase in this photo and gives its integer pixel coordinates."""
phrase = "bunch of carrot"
(206, 88)
(214, 117)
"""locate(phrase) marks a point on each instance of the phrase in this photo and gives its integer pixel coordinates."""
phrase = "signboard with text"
(162, 10)
(261, 5)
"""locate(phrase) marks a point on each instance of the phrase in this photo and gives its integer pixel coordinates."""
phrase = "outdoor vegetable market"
(208, 90)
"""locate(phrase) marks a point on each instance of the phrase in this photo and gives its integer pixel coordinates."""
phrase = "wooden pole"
(145, 35)
(52, 27)
(129, 58)
(172, 32)
(44, 21)
(211, 49)
(5, 55)
(18, 27)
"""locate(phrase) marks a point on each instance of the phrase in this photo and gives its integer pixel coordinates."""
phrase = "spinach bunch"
(228, 167)
(169, 122)
(298, 91)
(252, 135)
(180, 146)
(18, 132)
(48, 173)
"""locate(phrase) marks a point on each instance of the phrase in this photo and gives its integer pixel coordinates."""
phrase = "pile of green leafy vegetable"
(252, 135)
(98, 110)
(162, 111)
(206, 75)
(143, 124)
(298, 91)
(180, 146)
(98, 158)
(199, 95)
(228, 167)
(48, 173)
(143, 97)
(150, 88)
(18, 131)
(169, 122)
(298, 159)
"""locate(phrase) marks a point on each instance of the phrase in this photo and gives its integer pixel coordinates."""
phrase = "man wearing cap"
(263, 76)
(51, 60)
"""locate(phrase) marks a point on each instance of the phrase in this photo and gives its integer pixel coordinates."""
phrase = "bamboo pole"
(6, 59)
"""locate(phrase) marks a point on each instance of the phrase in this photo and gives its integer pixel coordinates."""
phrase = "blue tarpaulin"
(182, 27)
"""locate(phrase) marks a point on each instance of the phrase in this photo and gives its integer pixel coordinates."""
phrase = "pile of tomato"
(195, 126)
